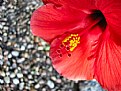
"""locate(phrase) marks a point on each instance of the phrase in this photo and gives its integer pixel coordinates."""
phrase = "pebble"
(19, 75)
(1, 57)
(30, 82)
(37, 86)
(1, 81)
(30, 46)
(41, 82)
(14, 65)
(12, 75)
(53, 78)
(7, 80)
(1, 62)
(21, 60)
(16, 81)
(22, 48)
(40, 48)
(9, 56)
(2, 73)
(50, 69)
(58, 80)
(15, 53)
(21, 86)
(7, 73)
(50, 84)
(30, 77)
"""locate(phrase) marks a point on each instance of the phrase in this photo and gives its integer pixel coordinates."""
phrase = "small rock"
(50, 69)
(9, 56)
(15, 53)
(58, 81)
(37, 86)
(7, 73)
(19, 75)
(12, 75)
(7, 80)
(21, 60)
(53, 78)
(14, 65)
(30, 46)
(22, 48)
(3, 73)
(21, 86)
(50, 84)
(30, 82)
(41, 82)
(1, 62)
(16, 81)
(40, 48)
(1, 81)
(30, 76)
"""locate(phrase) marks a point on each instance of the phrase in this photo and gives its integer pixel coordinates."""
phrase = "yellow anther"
(73, 40)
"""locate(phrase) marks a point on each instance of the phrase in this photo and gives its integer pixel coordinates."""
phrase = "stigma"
(71, 41)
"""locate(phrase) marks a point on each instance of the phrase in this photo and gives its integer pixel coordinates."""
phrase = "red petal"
(56, 2)
(76, 64)
(112, 12)
(108, 63)
(80, 4)
(49, 21)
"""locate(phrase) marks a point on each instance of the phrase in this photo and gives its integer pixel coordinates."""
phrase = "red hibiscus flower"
(85, 38)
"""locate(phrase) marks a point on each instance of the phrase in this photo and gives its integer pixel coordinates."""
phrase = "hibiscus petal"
(56, 2)
(112, 12)
(80, 4)
(76, 64)
(108, 63)
(49, 21)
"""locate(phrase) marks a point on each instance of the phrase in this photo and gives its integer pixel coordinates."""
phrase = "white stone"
(40, 48)
(22, 48)
(2, 73)
(1, 57)
(19, 75)
(9, 56)
(30, 46)
(37, 86)
(12, 75)
(14, 65)
(7, 73)
(21, 60)
(7, 79)
(15, 81)
(1, 62)
(50, 84)
(1, 81)
(30, 76)
(21, 86)
(53, 78)
(15, 53)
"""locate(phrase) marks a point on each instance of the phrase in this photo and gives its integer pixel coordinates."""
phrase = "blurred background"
(24, 59)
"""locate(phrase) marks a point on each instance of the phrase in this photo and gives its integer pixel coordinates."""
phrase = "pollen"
(71, 41)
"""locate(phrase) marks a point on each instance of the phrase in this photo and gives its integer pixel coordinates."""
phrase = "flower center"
(71, 41)
(98, 14)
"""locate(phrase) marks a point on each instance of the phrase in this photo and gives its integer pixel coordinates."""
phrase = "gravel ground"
(24, 59)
